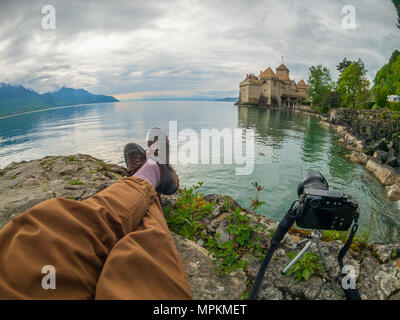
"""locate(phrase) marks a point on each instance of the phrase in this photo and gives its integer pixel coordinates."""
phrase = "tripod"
(314, 238)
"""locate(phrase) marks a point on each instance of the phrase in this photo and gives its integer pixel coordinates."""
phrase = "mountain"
(17, 99)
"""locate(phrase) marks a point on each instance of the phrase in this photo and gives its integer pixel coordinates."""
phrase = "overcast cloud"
(137, 49)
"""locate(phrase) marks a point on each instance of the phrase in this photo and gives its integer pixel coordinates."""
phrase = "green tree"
(353, 86)
(343, 65)
(387, 81)
(397, 6)
(321, 85)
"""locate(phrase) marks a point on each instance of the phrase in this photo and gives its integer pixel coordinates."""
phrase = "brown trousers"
(114, 245)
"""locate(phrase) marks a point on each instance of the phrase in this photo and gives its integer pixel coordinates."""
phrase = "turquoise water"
(287, 145)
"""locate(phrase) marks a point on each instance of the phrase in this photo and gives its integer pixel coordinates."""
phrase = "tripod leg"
(301, 253)
(321, 254)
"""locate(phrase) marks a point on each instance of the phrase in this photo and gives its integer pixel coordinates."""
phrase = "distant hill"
(17, 99)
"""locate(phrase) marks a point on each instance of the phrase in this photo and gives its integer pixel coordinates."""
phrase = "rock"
(393, 191)
(203, 278)
(382, 252)
(381, 156)
(223, 234)
(68, 170)
(389, 282)
(386, 175)
(359, 157)
(377, 145)
(392, 161)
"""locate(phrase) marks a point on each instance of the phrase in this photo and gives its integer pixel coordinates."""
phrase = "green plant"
(245, 295)
(76, 181)
(241, 241)
(184, 219)
(72, 159)
(305, 267)
(104, 166)
(256, 203)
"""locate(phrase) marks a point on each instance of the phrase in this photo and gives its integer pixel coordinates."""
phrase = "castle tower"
(282, 72)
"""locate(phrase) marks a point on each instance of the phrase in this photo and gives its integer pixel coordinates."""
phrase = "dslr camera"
(321, 208)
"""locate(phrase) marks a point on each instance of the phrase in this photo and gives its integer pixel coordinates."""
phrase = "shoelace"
(134, 165)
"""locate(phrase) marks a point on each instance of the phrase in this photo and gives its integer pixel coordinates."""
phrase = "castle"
(273, 89)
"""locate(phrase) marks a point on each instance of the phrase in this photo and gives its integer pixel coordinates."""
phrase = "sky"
(185, 48)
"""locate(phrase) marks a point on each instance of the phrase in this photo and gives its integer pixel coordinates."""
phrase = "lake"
(287, 145)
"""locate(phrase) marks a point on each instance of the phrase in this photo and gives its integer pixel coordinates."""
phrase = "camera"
(321, 208)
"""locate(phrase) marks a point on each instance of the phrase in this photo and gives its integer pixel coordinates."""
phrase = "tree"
(397, 6)
(343, 65)
(387, 81)
(353, 86)
(321, 85)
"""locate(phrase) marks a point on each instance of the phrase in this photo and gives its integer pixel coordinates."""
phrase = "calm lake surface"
(287, 145)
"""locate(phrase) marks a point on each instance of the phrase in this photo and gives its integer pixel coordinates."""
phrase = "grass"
(44, 163)
(75, 182)
(104, 166)
(72, 159)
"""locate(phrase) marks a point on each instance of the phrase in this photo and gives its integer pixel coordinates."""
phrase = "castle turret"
(282, 72)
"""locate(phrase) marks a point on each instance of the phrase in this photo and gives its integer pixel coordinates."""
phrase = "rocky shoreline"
(373, 139)
(24, 184)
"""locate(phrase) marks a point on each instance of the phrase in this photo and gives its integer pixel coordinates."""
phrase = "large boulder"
(386, 175)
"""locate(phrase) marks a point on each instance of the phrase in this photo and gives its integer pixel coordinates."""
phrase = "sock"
(149, 172)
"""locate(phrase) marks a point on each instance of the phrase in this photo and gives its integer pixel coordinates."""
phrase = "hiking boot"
(135, 157)
(158, 150)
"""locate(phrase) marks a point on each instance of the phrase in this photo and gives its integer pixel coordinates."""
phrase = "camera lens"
(313, 180)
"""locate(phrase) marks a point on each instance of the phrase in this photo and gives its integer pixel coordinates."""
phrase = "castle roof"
(250, 77)
(302, 83)
(282, 67)
(268, 73)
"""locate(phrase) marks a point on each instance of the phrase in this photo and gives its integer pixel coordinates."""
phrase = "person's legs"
(145, 264)
(75, 237)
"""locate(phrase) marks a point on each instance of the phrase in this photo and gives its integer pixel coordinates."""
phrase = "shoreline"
(388, 176)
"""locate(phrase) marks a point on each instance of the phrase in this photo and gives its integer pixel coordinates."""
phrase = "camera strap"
(351, 293)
